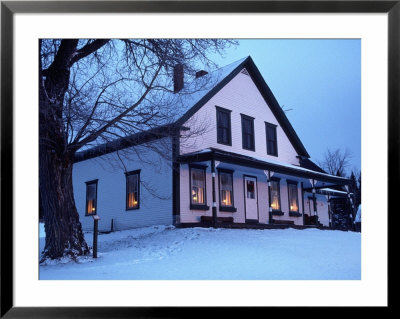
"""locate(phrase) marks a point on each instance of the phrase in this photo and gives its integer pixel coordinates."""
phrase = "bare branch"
(87, 50)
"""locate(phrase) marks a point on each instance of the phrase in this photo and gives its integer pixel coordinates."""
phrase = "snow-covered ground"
(166, 252)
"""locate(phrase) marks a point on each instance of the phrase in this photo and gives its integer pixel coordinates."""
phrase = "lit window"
(293, 200)
(226, 188)
(132, 189)
(275, 195)
(198, 188)
(91, 197)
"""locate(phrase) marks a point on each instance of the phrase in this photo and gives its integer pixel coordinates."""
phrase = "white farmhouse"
(245, 167)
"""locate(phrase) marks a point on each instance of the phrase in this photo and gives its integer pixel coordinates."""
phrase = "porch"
(223, 189)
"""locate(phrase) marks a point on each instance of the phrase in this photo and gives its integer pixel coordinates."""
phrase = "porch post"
(352, 205)
(302, 200)
(329, 211)
(314, 198)
(268, 174)
(214, 197)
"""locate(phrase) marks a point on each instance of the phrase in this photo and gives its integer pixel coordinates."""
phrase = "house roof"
(260, 163)
(333, 191)
(307, 163)
(195, 94)
(125, 142)
(221, 77)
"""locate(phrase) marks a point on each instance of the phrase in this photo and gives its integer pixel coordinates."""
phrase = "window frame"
(228, 113)
(292, 212)
(277, 212)
(127, 174)
(253, 139)
(194, 206)
(225, 208)
(273, 126)
(92, 182)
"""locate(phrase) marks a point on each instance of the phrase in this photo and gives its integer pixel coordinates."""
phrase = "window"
(132, 189)
(198, 187)
(224, 126)
(293, 197)
(226, 190)
(248, 132)
(275, 195)
(272, 145)
(250, 189)
(91, 198)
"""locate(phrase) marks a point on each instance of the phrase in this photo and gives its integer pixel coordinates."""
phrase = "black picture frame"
(9, 8)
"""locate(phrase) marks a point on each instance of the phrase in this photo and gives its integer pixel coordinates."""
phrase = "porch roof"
(259, 163)
(333, 192)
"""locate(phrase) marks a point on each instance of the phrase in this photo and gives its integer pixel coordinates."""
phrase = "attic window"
(248, 133)
(272, 144)
(224, 126)
(244, 71)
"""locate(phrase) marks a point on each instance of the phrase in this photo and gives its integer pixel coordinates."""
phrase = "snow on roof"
(272, 161)
(331, 190)
(176, 105)
(193, 92)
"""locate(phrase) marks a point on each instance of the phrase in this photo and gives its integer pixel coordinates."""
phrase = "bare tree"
(96, 90)
(335, 162)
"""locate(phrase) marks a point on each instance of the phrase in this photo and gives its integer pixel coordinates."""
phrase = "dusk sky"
(319, 80)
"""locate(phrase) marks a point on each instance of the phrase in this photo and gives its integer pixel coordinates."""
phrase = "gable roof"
(197, 93)
(223, 76)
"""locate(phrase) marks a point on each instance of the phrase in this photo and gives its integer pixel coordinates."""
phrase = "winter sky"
(319, 82)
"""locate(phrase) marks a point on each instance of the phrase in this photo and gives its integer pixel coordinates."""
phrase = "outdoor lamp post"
(96, 219)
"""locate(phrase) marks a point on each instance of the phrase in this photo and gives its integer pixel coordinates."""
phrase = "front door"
(250, 198)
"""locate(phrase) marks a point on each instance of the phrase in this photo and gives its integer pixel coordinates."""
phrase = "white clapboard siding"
(155, 189)
(240, 95)
(322, 210)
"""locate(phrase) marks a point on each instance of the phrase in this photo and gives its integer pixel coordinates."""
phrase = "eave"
(247, 161)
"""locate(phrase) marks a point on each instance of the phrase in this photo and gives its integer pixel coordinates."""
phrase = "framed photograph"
(356, 42)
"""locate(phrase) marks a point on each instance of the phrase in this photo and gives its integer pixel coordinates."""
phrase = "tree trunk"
(64, 236)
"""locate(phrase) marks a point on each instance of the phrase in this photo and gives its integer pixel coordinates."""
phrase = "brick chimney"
(178, 77)
(200, 73)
